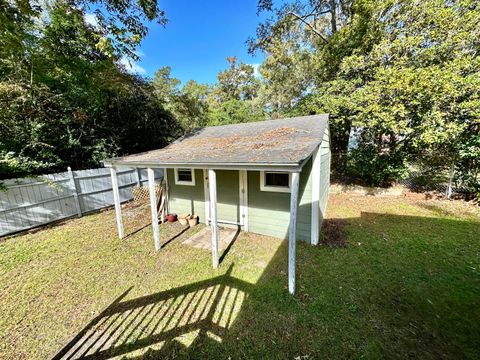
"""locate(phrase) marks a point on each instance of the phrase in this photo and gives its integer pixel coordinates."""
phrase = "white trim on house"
(243, 196)
(264, 187)
(182, 182)
(220, 166)
(207, 196)
(165, 178)
(316, 176)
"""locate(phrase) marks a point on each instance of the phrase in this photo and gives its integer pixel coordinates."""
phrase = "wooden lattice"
(142, 193)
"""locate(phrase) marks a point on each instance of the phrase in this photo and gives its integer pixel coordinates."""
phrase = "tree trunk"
(333, 13)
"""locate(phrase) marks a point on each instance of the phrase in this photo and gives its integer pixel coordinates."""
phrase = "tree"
(234, 98)
(192, 108)
(64, 99)
(188, 104)
(235, 111)
(236, 82)
(165, 86)
(400, 75)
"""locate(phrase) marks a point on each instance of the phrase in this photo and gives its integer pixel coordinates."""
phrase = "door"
(230, 196)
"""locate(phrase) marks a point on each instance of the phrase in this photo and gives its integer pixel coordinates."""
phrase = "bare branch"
(309, 25)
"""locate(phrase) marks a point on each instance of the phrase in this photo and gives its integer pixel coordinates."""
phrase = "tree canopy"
(399, 78)
(65, 98)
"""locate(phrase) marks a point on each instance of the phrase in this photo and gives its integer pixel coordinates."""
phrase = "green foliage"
(400, 80)
(467, 169)
(375, 168)
(402, 77)
(235, 111)
(237, 82)
(233, 99)
(188, 104)
(65, 101)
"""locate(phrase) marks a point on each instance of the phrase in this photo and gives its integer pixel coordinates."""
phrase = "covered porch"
(219, 241)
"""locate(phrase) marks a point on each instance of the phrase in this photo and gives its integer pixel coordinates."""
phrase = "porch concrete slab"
(203, 238)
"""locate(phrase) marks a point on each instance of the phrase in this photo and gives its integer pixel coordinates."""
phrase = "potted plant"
(171, 217)
(183, 219)
(193, 220)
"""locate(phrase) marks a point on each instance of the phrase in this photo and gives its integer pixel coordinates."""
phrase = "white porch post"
(315, 198)
(292, 232)
(165, 177)
(212, 182)
(116, 201)
(153, 207)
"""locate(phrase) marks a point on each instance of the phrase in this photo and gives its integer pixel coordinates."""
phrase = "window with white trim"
(275, 181)
(184, 176)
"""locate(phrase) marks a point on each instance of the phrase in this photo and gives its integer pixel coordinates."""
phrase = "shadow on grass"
(229, 246)
(205, 310)
(181, 232)
(395, 287)
(137, 230)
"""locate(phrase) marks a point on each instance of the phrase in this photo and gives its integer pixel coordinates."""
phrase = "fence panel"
(31, 202)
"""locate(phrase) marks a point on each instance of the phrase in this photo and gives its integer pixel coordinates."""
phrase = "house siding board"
(304, 215)
(269, 212)
(324, 173)
(185, 198)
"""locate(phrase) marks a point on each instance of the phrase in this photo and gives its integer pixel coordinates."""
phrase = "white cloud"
(131, 66)
(91, 19)
(256, 70)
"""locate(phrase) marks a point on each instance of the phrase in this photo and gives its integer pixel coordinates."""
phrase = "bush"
(371, 167)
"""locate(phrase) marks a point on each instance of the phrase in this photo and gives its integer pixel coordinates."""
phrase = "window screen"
(184, 175)
(276, 179)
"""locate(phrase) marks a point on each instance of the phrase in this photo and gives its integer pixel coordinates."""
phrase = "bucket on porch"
(171, 217)
(183, 219)
(193, 220)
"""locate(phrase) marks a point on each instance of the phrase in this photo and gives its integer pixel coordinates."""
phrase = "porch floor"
(203, 238)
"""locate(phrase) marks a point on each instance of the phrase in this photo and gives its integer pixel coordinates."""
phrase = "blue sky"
(198, 38)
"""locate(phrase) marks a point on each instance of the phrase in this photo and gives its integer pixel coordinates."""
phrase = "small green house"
(270, 177)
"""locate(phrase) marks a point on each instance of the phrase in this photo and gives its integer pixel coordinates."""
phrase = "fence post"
(73, 186)
(139, 177)
(448, 192)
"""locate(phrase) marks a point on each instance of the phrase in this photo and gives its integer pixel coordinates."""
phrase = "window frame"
(273, 188)
(182, 182)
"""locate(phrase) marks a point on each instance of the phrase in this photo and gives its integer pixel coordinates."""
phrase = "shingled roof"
(284, 143)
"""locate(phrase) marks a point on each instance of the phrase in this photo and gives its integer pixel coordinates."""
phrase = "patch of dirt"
(135, 208)
(333, 233)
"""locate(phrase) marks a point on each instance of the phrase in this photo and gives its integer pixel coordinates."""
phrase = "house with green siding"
(270, 177)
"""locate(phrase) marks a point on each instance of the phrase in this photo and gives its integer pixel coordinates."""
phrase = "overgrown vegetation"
(66, 99)
(400, 79)
(396, 278)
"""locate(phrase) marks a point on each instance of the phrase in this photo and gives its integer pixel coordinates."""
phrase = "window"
(184, 177)
(275, 181)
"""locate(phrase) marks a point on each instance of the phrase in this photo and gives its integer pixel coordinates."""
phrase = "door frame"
(242, 196)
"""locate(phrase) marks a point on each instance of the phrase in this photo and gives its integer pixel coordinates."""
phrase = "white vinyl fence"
(31, 202)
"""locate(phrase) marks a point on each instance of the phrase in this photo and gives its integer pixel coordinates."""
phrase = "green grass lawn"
(395, 278)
